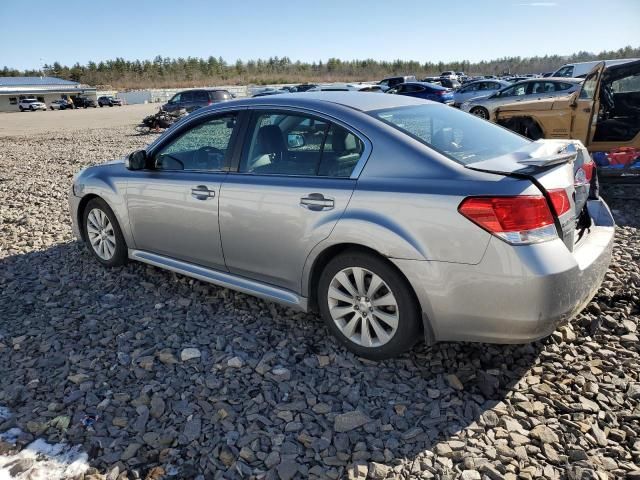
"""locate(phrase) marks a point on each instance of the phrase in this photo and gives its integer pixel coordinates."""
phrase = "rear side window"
(220, 95)
(297, 144)
(461, 137)
(201, 96)
(565, 72)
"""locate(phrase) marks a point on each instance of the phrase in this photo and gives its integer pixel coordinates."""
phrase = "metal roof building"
(45, 89)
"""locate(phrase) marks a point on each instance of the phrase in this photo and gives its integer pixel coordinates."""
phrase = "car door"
(293, 181)
(187, 100)
(586, 105)
(173, 205)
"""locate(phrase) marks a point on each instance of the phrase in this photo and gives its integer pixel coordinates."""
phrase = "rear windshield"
(460, 136)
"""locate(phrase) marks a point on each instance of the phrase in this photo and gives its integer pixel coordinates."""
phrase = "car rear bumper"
(516, 294)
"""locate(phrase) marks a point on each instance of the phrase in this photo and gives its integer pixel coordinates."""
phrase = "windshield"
(460, 136)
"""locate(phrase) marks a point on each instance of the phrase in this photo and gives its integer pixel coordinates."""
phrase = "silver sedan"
(534, 89)
(395, 218)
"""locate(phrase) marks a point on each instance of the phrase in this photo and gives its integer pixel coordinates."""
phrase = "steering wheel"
(607, 98)
(209, 158)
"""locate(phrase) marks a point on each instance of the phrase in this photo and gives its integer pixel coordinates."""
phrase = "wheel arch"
(520, 123)
(80, 213)
(326, 255)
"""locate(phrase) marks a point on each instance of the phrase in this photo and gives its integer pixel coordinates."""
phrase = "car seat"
(269, 150)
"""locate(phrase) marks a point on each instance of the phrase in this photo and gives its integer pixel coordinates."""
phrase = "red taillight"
(517, 220)
(560, 201)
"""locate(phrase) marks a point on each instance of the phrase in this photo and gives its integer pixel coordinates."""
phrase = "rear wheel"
(480, 112)
(368, 306)
(103, 234)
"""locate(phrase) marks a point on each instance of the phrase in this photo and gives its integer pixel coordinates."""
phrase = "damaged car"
(604, 114)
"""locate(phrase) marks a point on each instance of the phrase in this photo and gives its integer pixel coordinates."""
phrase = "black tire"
(21, 109)
(111, 104)
(120, 256)
(480, 112)
(407, 333)
(101, 105)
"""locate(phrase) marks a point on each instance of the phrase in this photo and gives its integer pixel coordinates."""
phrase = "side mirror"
(136, 160)
(295, 140)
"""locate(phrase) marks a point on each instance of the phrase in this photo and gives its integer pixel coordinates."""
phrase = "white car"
(450, 75)
(31, 104)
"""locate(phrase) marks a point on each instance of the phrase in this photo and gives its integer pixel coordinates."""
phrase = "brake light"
(584, 174)
(560, 201)
(517, 220)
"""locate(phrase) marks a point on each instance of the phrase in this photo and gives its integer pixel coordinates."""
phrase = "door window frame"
(242, 142)
(191, 122)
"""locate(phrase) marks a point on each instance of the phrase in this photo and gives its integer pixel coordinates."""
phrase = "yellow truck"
(604, 114)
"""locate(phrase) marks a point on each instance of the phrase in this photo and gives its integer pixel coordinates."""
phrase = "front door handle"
(317, 202)
(201, 192)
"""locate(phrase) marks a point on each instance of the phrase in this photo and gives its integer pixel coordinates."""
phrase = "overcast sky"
(37, 32)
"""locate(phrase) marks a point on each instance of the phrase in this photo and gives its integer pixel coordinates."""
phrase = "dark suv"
(191, 100)
(109, 101)
(84, 102)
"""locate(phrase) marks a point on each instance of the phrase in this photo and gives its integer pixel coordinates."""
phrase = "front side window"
(297, 144)
(461, 137)
(589, 86)
(187, 97)
(203, 147)
(514, 91)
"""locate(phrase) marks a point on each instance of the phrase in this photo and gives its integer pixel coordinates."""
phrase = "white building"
(45, 89)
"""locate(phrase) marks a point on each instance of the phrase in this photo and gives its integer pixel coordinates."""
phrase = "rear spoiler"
(541, 153)
(551, 152)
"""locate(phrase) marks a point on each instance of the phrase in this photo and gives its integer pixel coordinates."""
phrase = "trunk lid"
(550, 165)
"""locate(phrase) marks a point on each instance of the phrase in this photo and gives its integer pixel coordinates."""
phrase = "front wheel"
(480, 112)
(368, 306)
(103, 235)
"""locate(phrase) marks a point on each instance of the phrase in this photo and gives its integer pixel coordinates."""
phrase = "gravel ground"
(154, 375)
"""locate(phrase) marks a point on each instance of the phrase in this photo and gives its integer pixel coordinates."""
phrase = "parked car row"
(33, 104)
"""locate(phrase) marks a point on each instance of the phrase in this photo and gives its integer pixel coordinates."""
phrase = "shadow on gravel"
(201, 380)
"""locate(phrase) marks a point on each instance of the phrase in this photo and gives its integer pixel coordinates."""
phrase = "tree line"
(164, 72)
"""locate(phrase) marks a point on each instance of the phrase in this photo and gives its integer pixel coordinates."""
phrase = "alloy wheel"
(363, 307)
(101, 235)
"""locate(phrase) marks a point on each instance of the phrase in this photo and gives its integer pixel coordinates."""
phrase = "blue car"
(425, 90)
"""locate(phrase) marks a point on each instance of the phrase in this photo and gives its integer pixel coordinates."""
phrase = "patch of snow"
(40, 460)
(11, 435)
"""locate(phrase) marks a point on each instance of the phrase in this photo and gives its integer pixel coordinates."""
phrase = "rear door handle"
(201, 192)
(317, 202)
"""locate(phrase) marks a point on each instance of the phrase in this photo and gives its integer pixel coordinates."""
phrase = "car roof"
(426, 84)
(362, 101)
(550, 79)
